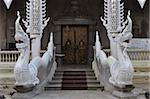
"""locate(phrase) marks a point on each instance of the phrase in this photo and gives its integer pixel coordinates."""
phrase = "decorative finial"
(142, 2)
(8, 3)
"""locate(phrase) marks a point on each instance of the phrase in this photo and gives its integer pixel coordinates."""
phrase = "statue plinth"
(124, 95)
(24, 89)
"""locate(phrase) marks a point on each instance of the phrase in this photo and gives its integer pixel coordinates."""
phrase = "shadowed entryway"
(74, 44)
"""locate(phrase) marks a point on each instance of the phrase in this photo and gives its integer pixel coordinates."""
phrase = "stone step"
(7, 79)
(73, 87)
(142, 68)
(141, 81)
(74, 70)
(141, 77)
(7, 82)
(74, 81)
(74, 77)
(7, 76)
(6, 70)
(74, 74)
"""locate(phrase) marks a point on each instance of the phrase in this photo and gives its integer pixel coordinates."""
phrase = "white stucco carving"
(121, 69)
(119, 32)
(141, 2)
(25, 71)
(35, 17)
(24, 74)
(100, 54)
(35, 23)
(8, 3)
(113, 15)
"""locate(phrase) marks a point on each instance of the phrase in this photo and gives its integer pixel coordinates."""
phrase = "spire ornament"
(8, 3)
(142, 3)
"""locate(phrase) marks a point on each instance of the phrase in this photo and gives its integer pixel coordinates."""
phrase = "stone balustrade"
(135, 54)
(8, 57)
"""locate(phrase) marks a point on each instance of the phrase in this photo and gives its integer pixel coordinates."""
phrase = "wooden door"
(75, 44)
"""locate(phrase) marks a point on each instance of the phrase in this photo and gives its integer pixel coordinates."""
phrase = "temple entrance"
(74, 44)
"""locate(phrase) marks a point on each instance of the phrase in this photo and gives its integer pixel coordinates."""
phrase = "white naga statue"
(25, 70)
(119, 33)
(35, 23)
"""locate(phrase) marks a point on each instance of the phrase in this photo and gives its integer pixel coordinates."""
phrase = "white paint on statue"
(25, 71)
(25, 74)
(113, 15)
(35, 23)
(142, 3)
(8, 3)
(118, 31)
(121, 69)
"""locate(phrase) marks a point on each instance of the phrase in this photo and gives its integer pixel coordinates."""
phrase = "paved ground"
(77, 95)
(74, 95)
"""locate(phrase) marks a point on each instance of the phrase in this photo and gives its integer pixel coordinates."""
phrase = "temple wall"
(56, 8)
(2, 26)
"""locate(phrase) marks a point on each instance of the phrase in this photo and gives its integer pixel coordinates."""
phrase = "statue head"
(21, 38)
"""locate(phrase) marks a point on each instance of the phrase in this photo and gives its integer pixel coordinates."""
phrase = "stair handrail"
(50, 73)
(100, 66)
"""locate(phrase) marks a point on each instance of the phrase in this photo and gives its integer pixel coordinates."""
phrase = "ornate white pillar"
(113, 21)
(35, 23)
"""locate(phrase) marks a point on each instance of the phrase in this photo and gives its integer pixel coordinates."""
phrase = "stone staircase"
(7, 76)
(74, 79)
(141, 75)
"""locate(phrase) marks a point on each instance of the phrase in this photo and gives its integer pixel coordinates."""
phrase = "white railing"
(12, 56)
(134, 54)
(9, 56)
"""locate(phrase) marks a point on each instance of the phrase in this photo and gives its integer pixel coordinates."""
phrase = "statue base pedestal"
(27, 95)
(124, 95)
(23, 89)
(27, 92)
(21, 96)
(128, 92)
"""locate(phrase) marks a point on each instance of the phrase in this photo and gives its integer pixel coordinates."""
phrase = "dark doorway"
(74, 44)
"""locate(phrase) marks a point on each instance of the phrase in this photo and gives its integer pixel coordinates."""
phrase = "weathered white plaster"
(118, 31)
(8, 3)
(25, 71)
(35, 23)
(141, 2)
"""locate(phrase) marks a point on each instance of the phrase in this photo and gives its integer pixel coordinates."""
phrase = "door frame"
(74, 21)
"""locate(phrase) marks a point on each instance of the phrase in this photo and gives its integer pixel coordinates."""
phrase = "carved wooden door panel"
(75, 44)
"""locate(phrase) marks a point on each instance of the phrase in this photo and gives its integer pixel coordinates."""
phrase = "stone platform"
(71, 94)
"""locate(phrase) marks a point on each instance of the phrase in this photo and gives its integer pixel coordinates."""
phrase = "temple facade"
(74, 23)
(97, 45)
